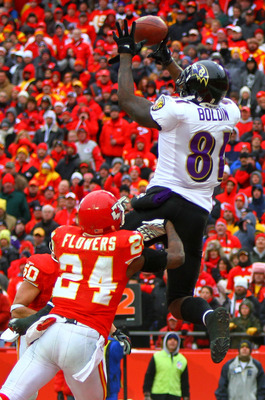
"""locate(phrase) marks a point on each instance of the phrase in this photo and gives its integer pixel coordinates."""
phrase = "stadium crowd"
(62, 135)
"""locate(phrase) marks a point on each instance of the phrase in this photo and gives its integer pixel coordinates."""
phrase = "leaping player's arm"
(24, 296)
(154, 260)
(138, 108)
(174, 70)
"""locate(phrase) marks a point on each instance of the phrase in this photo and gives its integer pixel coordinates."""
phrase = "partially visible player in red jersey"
(96, 261)
(39, 276)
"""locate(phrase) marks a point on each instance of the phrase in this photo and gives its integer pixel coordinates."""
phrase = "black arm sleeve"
(155, 260)
(185, 386)
(20, 325)
(221, 392)
(260, 380)
(149, 376)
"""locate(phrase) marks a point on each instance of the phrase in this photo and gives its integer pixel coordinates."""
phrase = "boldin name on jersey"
(212, 114)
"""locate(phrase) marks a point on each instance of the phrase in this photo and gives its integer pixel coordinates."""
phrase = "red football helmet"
(100, 212)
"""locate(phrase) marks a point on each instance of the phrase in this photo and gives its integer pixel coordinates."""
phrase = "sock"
(204, 316)
(193, 309)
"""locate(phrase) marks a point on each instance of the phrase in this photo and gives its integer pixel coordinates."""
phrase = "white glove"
(9, 336)
(152, 229)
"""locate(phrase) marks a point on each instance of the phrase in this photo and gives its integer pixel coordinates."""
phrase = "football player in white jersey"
(193, 132)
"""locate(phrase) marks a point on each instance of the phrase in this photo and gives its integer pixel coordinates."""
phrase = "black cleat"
(217, 323)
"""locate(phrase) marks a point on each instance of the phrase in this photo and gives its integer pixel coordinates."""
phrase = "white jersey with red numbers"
(191, 146)
(92, 274)
(41, 271)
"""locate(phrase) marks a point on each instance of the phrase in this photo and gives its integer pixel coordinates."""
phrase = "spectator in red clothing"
(71, 17)
(236, 39)
(32, 193)
(147, 281)
(205, 278)
(229, 193)
(139, 161)
(80, 49)
(87, 120)
(85, 27)
(244, 172)
(114, 179)
(140, 147)
(88, 149)
(47, 175)
(60, 40)
(58, 152)
(227, 241)
(213, 253)
(245, 123)
(220, 275)
(103, 81)
(76, 178)
(229, 214)
(39, 44)
(63, 187)
(257, 281)
(68, 215)
(3, 158)
(173, 325)
(142, 185)
(112, 135)
(243, 269)
(81, 73)
(23, 164)
(77, 87)
(135, 175)
(49, 197)
(235, 298)
(16, 280)
(36, 217)
(31, 117)
(256, 178)
(131, 16)
(91, 103)
(4, 312)
(34, 8)
(28, 75)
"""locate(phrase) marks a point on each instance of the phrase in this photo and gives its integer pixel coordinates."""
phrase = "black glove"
(21, 325)
(60, 396)
(184, 332)
(162, 55)
(125, 42)
(124, 340)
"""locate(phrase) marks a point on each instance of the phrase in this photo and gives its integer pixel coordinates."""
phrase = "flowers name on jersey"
(159, 103)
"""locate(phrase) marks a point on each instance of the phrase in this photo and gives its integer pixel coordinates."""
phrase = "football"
(151, 28)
